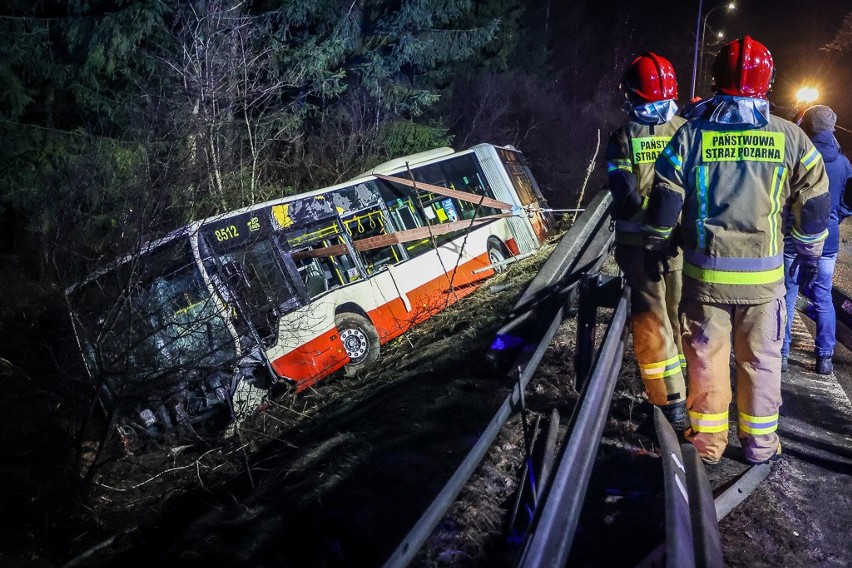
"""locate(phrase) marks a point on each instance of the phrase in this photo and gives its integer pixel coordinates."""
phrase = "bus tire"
(360, 339)
(497, 252)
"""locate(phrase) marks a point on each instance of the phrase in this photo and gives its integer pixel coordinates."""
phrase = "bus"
(194, 327)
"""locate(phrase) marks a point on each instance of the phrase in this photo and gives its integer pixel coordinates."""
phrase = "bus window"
(519, 173)
(462, 173)
(322, 258)
(372, 223)
(421, 207)
(403, 214)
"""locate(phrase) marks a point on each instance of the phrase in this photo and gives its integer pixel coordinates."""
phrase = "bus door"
(254, 275)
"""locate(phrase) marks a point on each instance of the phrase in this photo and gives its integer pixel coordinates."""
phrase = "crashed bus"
(193, 328)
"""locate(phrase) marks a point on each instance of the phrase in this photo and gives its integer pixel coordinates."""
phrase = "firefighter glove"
(804, 269)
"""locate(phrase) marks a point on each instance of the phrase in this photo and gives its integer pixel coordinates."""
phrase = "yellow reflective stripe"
(811, 159)
(757, 425)
(758, 431)
(730, 277)
(808, 239)
(682, 361)
(625, 165)
(664, 232)
(778, 177)
(660, 369)
(759, 419)
(709, 423)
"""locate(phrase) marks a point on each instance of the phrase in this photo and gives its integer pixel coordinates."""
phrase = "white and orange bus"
(198, 323)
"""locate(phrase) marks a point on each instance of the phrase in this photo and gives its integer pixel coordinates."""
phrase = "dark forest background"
(123, 119)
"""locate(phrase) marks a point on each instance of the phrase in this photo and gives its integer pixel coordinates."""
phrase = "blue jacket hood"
(827, 145)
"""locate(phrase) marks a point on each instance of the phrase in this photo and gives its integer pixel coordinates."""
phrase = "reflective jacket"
(735, 185)
(632, 151)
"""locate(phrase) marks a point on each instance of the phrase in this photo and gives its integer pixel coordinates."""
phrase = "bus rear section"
(396, 252)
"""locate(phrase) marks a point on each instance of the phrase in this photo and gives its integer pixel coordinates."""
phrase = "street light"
(700, 31)
(805, 98)
(807, 95)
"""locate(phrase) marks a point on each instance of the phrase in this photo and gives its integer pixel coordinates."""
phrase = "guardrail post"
(595, 292)
(587, 316)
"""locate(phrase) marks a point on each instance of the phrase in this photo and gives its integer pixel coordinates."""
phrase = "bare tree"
(243, 93)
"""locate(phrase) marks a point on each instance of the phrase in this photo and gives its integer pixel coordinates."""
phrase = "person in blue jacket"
(819, 123)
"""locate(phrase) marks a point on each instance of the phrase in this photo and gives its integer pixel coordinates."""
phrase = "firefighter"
(733, 171)
(650, 89)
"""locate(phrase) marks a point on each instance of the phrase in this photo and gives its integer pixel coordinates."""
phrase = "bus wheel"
(497, 252)
(360, 339)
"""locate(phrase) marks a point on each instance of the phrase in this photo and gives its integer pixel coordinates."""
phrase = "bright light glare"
(732, 6)
(720, 35)
(807, 95)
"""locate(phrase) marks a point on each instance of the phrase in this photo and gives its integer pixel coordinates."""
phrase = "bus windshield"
(151, 317)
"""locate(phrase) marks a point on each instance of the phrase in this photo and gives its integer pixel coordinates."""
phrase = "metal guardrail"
(692, 530)
(708, 551)
(519, 347)
(553, 532)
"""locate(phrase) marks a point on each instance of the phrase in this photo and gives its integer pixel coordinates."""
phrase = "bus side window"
(371, 223)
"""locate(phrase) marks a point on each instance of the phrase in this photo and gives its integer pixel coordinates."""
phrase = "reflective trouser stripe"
(710, 423)
(661, 369)
(682, 361)
(654, 326)
(733, 277)
(757, 425)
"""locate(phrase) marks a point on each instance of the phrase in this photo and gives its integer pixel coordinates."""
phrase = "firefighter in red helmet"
(732, 173)
(650, 87)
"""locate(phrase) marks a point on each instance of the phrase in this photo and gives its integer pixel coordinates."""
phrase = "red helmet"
(744, 68)
(651, 78)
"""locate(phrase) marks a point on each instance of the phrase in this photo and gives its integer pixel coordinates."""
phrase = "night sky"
(793, 30)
